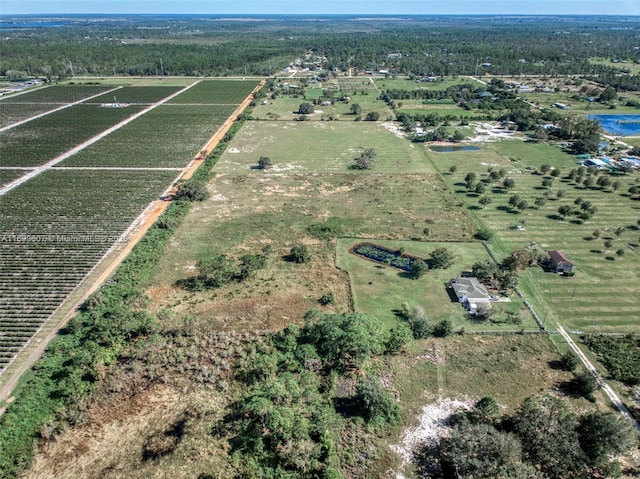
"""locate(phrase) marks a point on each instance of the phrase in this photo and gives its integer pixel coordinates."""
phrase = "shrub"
(327, 298)
(418, 269)
(192, 190)
(264, 163)
(569, 361)
(299, 254)
(377, 405)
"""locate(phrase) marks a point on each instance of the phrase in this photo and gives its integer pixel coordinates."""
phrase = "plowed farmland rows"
(54, 229)
(14, 112)
(7, 176)
(181, 130)
(42, 139)
(217, 91)
(136, 94)
(56, 94)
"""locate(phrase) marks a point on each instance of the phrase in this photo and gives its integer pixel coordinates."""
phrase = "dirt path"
(605, 387)
(141, 225)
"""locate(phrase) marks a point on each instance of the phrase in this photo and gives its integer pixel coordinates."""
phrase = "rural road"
(605, 387)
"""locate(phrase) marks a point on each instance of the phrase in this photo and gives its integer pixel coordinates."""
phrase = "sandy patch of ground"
(492, 131)
(394, 128)
(433, 424)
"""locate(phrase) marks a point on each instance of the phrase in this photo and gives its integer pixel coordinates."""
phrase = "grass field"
(321, 147)
(285, 108)
(380, 290)
(601, 293)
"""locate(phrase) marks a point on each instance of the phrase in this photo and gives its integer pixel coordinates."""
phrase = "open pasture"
(54, 229)
(380, 290)
(604, 290)
(167, 136)
(43, 139)
(217, 92)
(321, 147)
(136, 94)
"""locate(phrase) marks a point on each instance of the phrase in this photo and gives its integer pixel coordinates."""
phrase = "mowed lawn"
(380, 290)
(604, 293)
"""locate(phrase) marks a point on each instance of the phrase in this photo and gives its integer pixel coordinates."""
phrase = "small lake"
(623, 125)
(452, 148)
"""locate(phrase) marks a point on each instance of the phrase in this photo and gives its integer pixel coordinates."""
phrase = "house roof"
(559, 257)
(469, 287)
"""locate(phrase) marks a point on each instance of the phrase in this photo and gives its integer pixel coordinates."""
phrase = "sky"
(387, 7)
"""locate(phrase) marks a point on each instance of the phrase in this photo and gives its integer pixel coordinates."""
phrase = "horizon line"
(340, 14)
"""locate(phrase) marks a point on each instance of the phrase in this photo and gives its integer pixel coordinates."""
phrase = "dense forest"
(218, 46)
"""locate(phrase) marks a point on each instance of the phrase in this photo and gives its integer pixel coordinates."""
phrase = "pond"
(623, 125)
(451, 148)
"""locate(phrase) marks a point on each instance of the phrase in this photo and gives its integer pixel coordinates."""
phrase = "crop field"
(21, 107)
(216, 92)
(8, 175)
(168, 136)
(601, 295)
(136, 94)
(43, 139)
(54, 229)
(58, 94)
(380, 290)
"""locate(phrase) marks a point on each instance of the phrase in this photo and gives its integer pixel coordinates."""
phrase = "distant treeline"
(421, 46)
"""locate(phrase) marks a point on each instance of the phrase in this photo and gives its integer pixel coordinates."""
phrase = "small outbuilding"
(470, 293)
(559, 262)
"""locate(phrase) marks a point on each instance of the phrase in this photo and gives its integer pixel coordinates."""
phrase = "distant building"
(559, 262)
